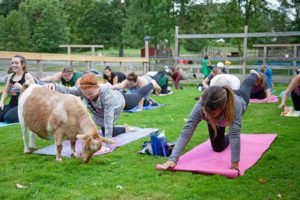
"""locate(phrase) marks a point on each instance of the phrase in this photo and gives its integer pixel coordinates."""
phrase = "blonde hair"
(216, 97)
(88, 81)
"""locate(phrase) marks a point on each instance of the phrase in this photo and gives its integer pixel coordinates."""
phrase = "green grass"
(47, 179)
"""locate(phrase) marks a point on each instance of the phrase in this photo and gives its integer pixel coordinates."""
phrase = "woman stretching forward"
(220, 107)
(105, 104)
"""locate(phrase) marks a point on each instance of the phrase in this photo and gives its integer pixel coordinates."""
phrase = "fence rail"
(81, 58)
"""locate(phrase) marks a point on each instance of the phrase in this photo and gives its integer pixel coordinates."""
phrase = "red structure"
(151, 52)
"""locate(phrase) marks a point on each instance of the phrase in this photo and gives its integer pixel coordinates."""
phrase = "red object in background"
(184, 62)
(151, 52)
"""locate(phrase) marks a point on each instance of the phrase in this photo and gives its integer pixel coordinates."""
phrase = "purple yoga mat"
(121, 140)
(202, 159)
(274, 99)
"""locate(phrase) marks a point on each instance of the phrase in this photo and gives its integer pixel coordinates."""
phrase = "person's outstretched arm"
(205, 82)
(294, 83)
(185, 136)
(55, 77)
(115, 80)
(107, 100)
(121, 85)
(234, 134)
(75, 90)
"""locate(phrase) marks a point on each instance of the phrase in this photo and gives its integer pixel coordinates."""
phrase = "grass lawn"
(71, 179)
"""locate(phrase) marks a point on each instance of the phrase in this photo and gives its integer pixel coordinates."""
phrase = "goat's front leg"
(25, 140)
(32, 147)
(58, 142)
(73, 148)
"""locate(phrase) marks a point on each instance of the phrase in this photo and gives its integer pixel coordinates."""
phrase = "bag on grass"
(158, 146)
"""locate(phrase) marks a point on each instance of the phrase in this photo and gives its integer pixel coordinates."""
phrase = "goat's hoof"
(27, 152)
(74, 155)
(32, 149)
(58, 159)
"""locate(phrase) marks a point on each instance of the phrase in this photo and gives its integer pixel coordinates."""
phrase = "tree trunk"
(121, 50)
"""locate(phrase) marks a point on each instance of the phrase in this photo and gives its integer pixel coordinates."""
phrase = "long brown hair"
(216, 97)
(23, 62)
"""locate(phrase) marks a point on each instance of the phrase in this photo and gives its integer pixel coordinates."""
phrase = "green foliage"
(71, 179)
(14, 32)
(9, 5)
(155, 18)
(120, 24)
(48, 24)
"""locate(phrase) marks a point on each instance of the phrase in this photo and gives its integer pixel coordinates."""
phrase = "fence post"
(295, 55)
(245, 52)
(93, 51)
(69, 53)
(39, 68)
(121, 67)
(146, 56)
(176, 52)
(265, 55)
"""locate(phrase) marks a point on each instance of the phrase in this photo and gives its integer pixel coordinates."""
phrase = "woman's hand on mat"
(168, 164)
(139, 110)
(1, 105)
(49, 86)
(235, 165)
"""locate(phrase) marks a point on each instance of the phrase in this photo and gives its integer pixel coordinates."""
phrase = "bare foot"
(129, 129)
(156, 87)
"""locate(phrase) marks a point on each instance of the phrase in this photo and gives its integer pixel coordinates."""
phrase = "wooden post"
(265, 55)
(146, 56)
(295, 55)
(69, 50)
(245, 52)
(69, 53)
(88, 65)
(93, 51)
(176, 52)
(39, 68)
(121, 67)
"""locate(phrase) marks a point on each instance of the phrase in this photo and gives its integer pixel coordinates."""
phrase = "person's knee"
(11, 118)
(217, 148)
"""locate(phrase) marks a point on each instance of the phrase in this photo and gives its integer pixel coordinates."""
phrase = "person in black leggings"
(19, 75)
(219, 107)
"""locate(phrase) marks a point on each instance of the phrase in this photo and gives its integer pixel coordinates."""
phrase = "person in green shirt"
(67, 76)
(205, 66)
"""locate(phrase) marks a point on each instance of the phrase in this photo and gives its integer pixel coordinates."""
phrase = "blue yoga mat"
(149, 107)
(2, 124)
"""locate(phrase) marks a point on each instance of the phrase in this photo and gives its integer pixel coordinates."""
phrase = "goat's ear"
(108, 140)
(82, 136)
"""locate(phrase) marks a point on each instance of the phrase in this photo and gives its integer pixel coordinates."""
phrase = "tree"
(8, 5)
(14, 32)
(155, 18)
(48, 24)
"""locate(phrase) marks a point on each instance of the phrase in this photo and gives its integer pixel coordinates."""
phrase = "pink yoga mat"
(274, 99)
(202, 159)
